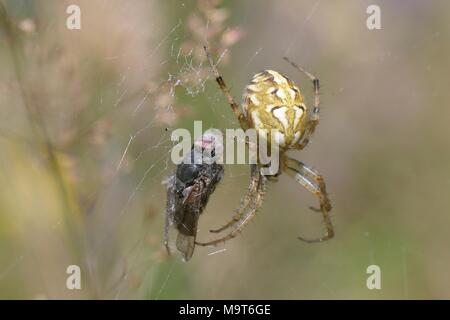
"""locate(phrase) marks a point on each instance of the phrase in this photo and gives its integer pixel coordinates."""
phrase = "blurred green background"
(85, 122)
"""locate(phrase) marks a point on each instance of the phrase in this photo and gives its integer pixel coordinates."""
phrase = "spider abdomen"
(272, 101)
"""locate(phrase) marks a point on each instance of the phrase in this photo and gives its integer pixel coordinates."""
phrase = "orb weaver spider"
(272, 101)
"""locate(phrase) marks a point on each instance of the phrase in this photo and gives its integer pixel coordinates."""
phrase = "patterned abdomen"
(272, 101)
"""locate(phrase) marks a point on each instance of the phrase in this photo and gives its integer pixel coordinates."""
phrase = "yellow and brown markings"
(272, 101)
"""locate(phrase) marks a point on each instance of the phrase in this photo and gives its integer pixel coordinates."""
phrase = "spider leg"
(314, 183)
(314, 209)
(246, 218)
(314, 118)
(234, 106)
(311, 173)
(244, 201)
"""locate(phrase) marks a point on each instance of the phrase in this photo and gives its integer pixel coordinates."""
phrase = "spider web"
(176, 81)
(124, 255)
(185, 65)
(184, 78)
(164, 83)
(187, 76)
(179, 78)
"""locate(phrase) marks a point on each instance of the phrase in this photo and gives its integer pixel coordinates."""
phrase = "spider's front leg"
(226, 91)
(245, 201)
(314, 183)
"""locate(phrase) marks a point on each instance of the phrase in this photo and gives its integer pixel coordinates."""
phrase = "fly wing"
(174, 209)
(187, 227)
(187, 231)
(195, 203)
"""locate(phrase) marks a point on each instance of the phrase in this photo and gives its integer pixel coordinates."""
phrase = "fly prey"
(188, 191)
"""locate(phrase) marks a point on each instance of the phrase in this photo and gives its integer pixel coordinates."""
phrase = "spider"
(188, 191)
(272, 101)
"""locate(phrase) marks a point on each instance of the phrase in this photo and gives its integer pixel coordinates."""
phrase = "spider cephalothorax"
(272, 101)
